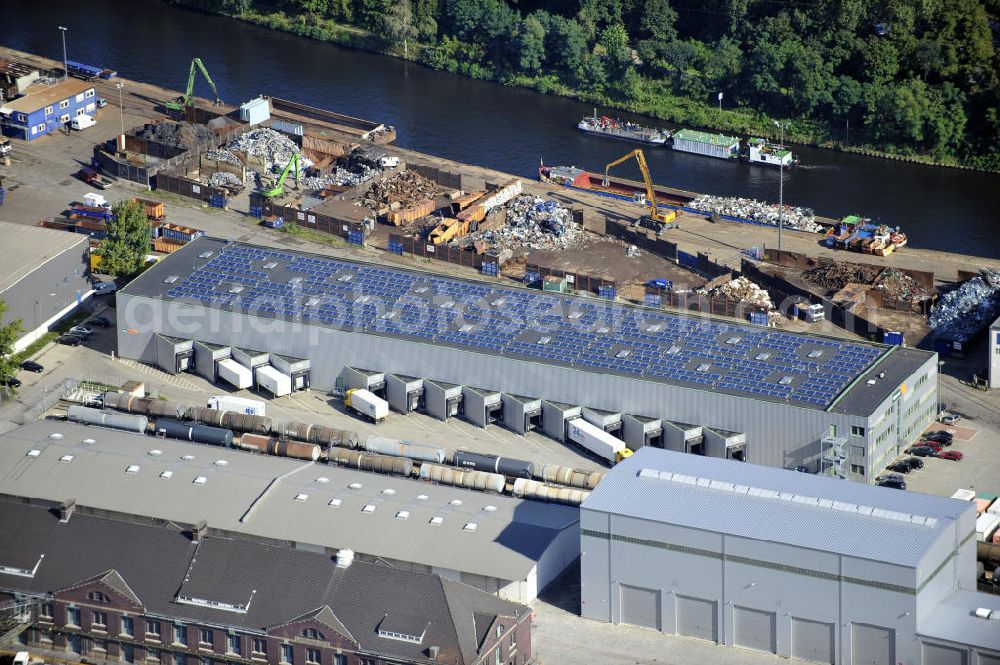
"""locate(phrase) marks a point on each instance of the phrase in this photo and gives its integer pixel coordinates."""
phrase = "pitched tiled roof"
(286, 584)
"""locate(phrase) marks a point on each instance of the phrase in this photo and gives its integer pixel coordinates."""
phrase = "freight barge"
(627, 131)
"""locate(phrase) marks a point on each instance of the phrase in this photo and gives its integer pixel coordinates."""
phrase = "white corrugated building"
(785, 562)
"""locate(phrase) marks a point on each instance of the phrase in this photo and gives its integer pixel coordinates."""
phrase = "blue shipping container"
(895, 338)
(758, 318)
(531, 277)
(396, 247)
(651, 300)
(356, 238)
(488, 268)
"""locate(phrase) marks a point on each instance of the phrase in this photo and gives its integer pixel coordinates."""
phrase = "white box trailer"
(253, 407)
(273, 381)
(235, 374)
(596, 440)
(367, 404)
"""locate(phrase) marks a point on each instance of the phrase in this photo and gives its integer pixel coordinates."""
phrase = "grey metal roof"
(776, 505)
(289, 584)
(953, 620)
(256, 495)
(27, 248)
(588, 334)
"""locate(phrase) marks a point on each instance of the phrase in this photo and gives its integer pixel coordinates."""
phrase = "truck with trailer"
(95, 179)
(252, 407)
(273, 381)
(597, 441)
(367, 404)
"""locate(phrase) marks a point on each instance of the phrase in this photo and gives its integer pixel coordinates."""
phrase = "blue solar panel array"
(593, 335)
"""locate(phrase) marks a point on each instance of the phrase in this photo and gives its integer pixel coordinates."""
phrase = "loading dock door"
(812, 640)
(873, 645)
(936, 654)
(640, 607)
(697, 618)
(754, 629)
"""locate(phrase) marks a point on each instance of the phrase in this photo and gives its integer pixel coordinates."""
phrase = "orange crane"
(660, 220)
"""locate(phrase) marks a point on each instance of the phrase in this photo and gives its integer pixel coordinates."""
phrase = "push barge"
(627, 131)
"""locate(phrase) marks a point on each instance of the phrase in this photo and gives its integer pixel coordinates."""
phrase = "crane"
(185, 99)
(279, 187)
(659, 220)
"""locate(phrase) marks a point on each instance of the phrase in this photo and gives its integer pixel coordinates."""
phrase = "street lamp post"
(781, 183)
(121, 105)
(65, 60)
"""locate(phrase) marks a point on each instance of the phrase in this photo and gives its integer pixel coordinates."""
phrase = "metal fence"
(578, 281)
(414, 245)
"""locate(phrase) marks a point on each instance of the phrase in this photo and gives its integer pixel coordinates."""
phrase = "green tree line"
(904, 76)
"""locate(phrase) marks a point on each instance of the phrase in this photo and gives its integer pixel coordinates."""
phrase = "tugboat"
(761, 151)
(627, 131)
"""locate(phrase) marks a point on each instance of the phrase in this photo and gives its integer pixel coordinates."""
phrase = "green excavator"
(279, 187)
(185, 100)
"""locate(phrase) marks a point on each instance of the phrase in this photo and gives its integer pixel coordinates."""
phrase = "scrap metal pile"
(404, 188)
(532, 223)
(350, 176)
(179, 134)
(896, 284)
(226, 180)
(962, 313)
(741, 289)
(273, 148)
(793, 217)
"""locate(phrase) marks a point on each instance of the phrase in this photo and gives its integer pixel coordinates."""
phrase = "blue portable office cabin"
(46, 108)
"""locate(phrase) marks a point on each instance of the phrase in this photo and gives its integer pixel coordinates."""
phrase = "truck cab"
(5, 146)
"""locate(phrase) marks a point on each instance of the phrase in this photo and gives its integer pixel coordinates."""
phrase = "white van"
(22, 658)
(82, 122)
(96, 201)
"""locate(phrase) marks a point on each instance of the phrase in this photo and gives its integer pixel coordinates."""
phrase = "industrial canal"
(502, 128)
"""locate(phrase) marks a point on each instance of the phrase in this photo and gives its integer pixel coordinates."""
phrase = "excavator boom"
(279, 187)
(654, 212)
(185, 100)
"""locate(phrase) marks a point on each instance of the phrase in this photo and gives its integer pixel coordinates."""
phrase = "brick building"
(117, 590)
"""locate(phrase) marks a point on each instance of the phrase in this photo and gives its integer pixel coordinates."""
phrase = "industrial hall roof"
(776, 505)
(586, 334)
(282, 499)
(28, 248)
(170, 575)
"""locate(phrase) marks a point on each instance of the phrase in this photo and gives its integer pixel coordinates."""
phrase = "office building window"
(153, 654)
(234, 644)
(127, 628)
(180, 659)
(312, 656)
(152, 630)
(64, 104)
(22, 118)
(513, 639)
(339, 659)
(205, 636)
(100, 621)
(96, 596)
(496, 656)
(258, 645)
(72, 616)
(89, 93)
(857, 430)
(48, 110)
(286, 653)
(45, 611)
(100, 645)
(180, 635)
(857, 469)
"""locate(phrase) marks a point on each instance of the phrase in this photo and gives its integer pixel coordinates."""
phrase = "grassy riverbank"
(645, 89)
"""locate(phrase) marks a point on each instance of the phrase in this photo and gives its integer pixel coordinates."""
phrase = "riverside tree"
(9, 333)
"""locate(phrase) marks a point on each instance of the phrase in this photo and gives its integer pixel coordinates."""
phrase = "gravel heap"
(179, 134)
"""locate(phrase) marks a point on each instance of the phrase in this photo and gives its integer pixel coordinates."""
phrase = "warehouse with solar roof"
(529, 359)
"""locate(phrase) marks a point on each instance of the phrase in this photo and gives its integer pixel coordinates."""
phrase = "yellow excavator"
(656, 219)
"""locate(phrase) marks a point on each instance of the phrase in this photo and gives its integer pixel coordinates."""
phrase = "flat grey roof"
(27, 248)
(587, 334)
(776, 505)
(170, 576)
(953, 620)
(259, 496)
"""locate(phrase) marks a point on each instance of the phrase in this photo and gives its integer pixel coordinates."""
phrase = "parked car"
(894, 483)
(900, 466)
(915, 462)
(953, 455)
(101, 102)
(32, 366)
(802, 468)
(940, 436)
(70, 340)
(100, 321)
(922, 451)
(105, 287)
(82, 331)
(11, 382)
(949, 418)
